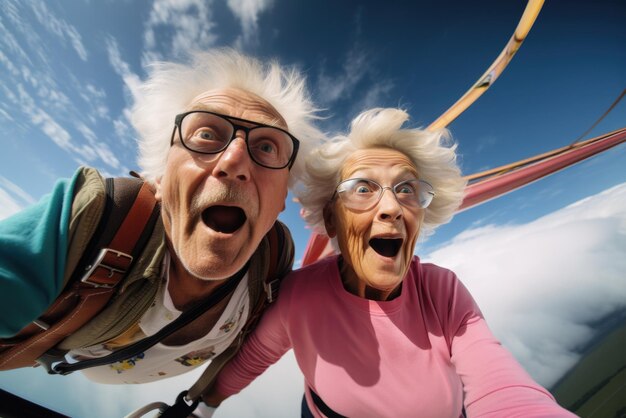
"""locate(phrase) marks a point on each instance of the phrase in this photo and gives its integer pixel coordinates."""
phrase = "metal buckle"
(271, 289)
(112, 270)
(49, 361)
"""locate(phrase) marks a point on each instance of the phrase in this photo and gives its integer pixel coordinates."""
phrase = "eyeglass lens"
(208, 133)
(363, 194)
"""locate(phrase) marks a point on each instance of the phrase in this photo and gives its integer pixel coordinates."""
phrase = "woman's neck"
(353, 284)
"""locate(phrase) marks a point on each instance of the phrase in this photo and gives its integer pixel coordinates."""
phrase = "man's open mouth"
(225, 219)
(386, 247)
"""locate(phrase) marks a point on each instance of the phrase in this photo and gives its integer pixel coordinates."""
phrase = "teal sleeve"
(33, 250)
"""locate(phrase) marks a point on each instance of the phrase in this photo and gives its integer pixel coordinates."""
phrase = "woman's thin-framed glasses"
(207, 132)
(364, 194)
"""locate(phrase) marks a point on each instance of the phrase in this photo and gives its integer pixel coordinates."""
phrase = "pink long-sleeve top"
(427, 352)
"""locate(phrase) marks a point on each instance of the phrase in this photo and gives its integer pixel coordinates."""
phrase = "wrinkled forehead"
(239, 104)
(372, 161)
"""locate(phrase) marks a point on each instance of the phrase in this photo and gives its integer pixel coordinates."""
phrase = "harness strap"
(144, 344)
(325, 409)
(85, 297)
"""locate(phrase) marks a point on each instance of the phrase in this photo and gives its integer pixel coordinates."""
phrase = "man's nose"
(389, 209)
(235, 162)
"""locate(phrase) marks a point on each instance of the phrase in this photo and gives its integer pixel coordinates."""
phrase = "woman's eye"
(405, 190)
(362, 189)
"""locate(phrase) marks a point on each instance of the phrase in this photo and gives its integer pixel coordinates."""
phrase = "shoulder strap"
(276, 240)
(129, 217)
(130, 214)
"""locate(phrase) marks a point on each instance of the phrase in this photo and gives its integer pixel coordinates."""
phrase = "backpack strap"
(130, 212)
(121, 234)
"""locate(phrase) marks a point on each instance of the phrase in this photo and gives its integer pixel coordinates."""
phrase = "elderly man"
(218, 145)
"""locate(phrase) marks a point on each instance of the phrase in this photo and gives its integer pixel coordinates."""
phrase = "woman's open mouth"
(386, 247)
(224, 219)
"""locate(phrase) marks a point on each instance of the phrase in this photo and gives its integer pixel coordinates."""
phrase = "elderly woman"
(376, 332)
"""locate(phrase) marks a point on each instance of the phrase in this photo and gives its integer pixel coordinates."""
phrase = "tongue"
(226, 219)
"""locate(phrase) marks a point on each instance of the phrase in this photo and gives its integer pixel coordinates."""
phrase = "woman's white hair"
(171, 87)
(432, 153)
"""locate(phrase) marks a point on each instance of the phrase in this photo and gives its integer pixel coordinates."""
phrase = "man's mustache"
(222, 194)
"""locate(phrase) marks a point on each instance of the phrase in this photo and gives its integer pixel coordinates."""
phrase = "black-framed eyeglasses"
(207, 132)
(364, 194)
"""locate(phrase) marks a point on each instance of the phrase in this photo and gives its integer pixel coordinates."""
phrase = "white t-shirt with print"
(162, 361)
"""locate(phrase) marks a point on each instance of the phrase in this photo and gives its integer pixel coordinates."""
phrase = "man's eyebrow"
(275, 121)
(199, 106)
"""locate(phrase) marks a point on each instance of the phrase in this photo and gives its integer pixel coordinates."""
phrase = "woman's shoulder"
(430, 273)
(433, 279)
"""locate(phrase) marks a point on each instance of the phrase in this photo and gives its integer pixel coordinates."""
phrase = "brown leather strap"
(116, 259)
(83, 299)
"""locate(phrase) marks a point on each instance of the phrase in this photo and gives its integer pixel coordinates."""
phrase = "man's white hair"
(432, 153)
(171, 87)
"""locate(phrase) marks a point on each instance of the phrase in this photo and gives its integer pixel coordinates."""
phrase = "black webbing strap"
(181, 408)
(325, 409)
(142, 345)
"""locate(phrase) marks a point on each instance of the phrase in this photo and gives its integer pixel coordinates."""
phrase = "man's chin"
(210, 272)
(218, 265)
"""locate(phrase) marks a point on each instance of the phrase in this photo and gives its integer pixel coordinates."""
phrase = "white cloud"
(96, 148)
(59, 27)
(95, 100)
(541, 285)
(123, 130)
(51, 128)
(5, 115)
(12, 198)
(374, 95)
(178, 26)
(121, 67)
(357, 81)
(9, 65)
(7, 39)
(247, 12)
(354, 69)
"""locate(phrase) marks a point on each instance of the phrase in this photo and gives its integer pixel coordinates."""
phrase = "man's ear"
(329, 220)
(158, 195)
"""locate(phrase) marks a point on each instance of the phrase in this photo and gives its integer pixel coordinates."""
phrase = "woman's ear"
(329, 223)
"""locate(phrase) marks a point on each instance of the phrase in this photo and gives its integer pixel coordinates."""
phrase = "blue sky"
(68, 69)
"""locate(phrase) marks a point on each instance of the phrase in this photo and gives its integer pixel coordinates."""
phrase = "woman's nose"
(388, 207)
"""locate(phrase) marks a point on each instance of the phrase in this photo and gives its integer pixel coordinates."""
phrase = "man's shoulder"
(89, 200)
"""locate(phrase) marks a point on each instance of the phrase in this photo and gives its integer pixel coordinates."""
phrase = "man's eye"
(206, 135)
(267, 147)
